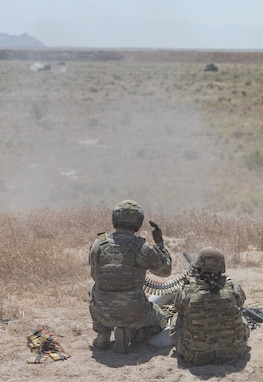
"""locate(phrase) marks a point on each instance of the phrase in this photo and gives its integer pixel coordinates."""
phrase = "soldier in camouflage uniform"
(209, 326)
(119, 262)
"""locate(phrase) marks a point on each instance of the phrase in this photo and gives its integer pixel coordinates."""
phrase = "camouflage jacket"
(129, 308)
(209, 326)
(157, 259)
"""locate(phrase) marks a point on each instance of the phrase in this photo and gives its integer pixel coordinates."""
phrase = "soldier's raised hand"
(157, 233)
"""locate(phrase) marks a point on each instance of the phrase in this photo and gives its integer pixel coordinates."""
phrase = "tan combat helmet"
(211, 259)
(128, 213)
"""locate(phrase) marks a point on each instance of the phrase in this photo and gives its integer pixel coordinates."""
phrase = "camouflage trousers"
(129, 309)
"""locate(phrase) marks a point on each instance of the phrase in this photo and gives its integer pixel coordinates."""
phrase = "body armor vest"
(212, 325)
(116, 268)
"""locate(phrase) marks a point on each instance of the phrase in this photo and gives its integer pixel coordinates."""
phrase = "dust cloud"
(157, 155)
(69, 149)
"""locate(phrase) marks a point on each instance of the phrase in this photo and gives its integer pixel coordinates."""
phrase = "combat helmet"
(128, 213)
(211, 259)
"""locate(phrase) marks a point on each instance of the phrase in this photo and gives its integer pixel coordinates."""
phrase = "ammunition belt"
(159, 288)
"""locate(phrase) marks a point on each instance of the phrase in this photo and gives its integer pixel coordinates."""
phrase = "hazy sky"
(197, 24)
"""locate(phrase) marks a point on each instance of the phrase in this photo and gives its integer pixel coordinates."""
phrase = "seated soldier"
(209, 327)
(118, 264)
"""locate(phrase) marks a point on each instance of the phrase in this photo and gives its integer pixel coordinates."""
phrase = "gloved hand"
(157, 233)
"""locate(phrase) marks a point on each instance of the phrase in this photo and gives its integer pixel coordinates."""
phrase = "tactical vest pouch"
(115, 266)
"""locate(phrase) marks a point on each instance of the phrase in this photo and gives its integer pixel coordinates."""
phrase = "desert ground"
(151, 126)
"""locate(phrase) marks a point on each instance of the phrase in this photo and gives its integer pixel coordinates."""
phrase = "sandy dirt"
(70, 320)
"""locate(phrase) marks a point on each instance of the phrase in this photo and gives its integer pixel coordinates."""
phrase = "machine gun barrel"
(252, 314)
(188, 258)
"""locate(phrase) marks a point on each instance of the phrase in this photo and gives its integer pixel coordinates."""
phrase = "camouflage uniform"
(210, 327)
(127, 307)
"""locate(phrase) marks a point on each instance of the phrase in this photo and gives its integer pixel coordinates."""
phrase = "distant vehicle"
(38, 66)
(211, 68)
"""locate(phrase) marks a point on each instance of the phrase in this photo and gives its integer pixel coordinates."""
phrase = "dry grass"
(45, 278)
(47, 249)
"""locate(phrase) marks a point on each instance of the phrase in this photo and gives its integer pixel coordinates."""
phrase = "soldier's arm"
(155, 258)
(165, 269)
(237, 291)
(178, 300)
(239, 294)
(91, 258)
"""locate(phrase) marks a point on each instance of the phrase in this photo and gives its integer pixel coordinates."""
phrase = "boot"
(102, 341)
(124, 340)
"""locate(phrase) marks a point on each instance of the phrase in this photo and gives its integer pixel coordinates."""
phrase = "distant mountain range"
(22, 41)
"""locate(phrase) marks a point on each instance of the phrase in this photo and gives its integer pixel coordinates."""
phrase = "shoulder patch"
(102, 236)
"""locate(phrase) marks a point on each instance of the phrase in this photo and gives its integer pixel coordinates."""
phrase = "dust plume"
(102, 133)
